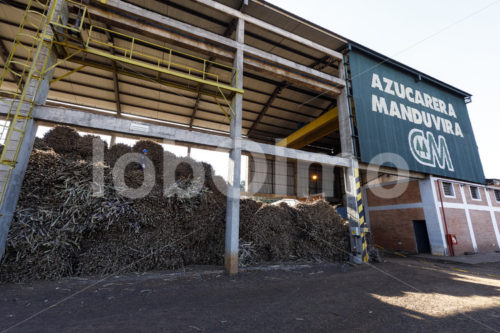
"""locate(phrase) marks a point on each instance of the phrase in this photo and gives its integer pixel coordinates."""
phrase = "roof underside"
(272, 107)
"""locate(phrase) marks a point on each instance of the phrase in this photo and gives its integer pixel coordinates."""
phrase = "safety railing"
(61, 20)
(169, 64)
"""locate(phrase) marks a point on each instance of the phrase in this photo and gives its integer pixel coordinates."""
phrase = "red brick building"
(417, 215)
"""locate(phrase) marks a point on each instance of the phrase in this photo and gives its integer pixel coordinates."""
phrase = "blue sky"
(446, 39)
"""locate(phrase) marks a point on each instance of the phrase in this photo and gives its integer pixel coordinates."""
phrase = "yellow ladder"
(20, 81)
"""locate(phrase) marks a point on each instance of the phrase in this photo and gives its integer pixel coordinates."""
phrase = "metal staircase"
(20, 81)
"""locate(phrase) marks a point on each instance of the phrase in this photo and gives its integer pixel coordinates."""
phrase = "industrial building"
(314, 111)
(436, 215)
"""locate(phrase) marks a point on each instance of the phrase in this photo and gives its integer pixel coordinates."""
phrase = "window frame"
(477, 191)
(497, 196)
(452, 188)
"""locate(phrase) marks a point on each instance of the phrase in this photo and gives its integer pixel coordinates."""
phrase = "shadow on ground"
(397, 295)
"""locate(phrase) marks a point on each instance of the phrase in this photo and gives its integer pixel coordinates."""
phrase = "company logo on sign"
(429, 152)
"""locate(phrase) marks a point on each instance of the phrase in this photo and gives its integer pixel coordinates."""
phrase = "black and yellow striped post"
(363, 226)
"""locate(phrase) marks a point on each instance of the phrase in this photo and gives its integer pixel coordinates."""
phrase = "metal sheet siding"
(381, 132)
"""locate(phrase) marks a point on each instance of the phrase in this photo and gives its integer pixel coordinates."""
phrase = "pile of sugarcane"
(62, 228)
(308, 231)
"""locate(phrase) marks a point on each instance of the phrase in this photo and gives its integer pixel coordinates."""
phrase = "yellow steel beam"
(68, 73)
(315, 130)
(158, 69)
(130, 56)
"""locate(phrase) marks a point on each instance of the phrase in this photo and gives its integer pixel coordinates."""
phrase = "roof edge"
(296, 17)
(423, 76)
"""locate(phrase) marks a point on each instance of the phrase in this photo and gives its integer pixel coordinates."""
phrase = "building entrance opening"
(421, 237)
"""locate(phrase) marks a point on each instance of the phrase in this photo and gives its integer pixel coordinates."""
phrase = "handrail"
(132, 53)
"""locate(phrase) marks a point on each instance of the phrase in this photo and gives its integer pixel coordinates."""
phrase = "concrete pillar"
(233, 193)
(433, 220)
(37, 92)
(302, 184)
(347, 146)
(345, 121)
(280, 174)
(328, 181)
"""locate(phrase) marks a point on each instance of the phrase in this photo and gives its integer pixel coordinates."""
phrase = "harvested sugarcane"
(61, 228)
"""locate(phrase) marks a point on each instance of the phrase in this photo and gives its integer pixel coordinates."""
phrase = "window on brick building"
(474, 193)
(497, 195)
(448, 189)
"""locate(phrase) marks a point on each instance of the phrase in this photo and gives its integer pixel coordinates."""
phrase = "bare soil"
(398, 295)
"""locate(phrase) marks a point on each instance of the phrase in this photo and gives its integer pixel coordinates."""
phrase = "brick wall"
(483, 231)
(497, 217)
(393, 229)
(457, 225)
(410, 195)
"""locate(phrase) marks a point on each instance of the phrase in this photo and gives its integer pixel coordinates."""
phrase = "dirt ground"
(400, 295)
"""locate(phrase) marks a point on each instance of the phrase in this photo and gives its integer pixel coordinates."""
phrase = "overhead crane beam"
(315, 130)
